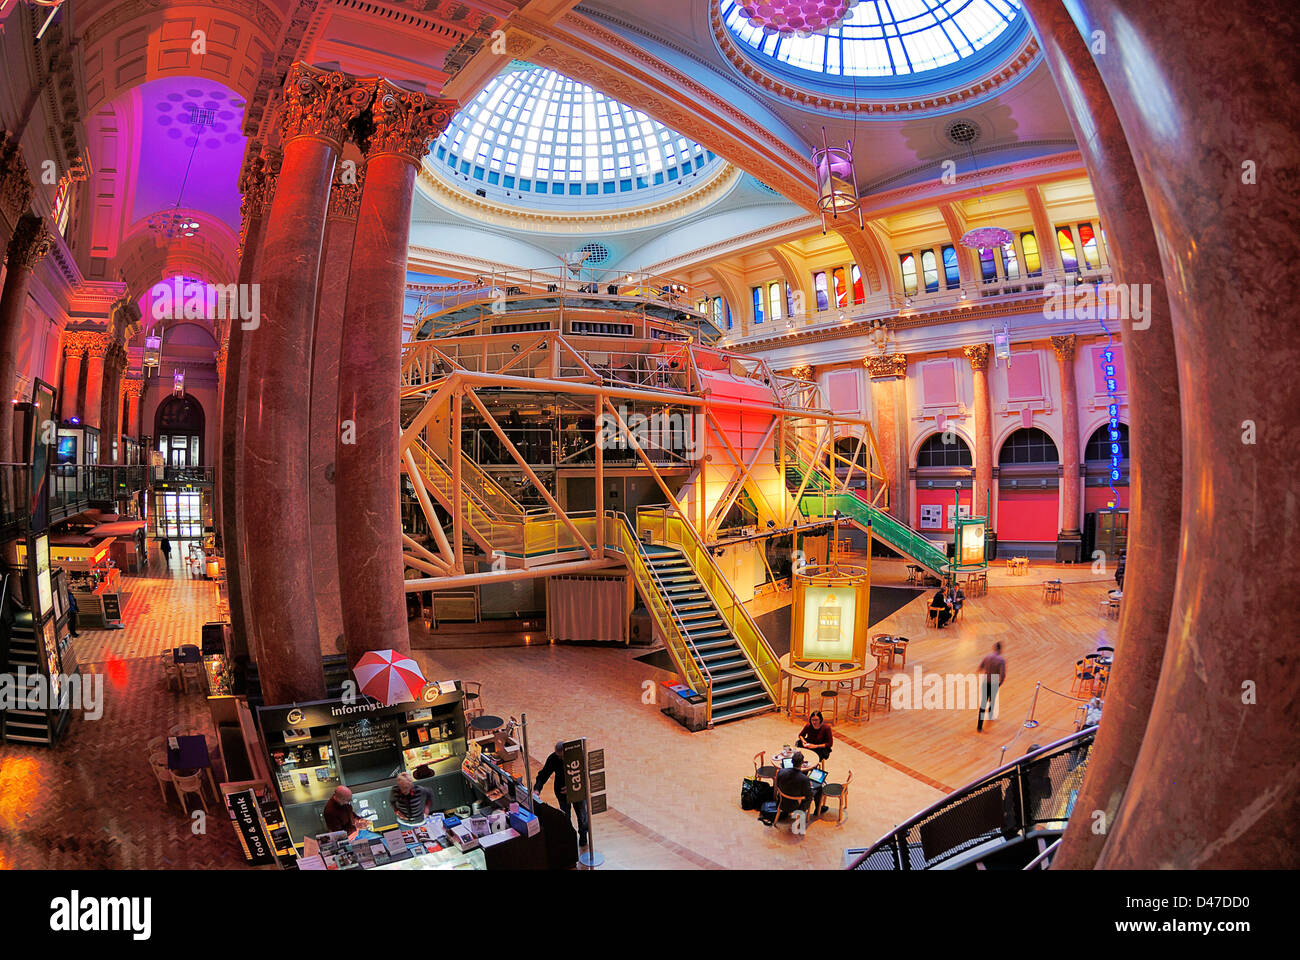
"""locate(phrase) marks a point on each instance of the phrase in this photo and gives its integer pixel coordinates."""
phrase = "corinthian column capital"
(886, 366)
(30, 244)
(978, 355)
(406, 122)
(15, 183)
(321, 103)
(1064, 346)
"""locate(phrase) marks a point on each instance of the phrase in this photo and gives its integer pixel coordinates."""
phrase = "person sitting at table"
(939, 607)
(338, 813)
(794, 783)
(409, 800)
(956, 597)
(816, 735)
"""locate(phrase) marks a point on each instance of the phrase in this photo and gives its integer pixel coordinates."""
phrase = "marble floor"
(673, 795)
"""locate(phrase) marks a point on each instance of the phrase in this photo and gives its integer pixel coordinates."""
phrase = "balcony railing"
(905, 306)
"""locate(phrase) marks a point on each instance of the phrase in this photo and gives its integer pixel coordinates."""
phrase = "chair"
(797, 801)
(192, 673)
(473, 698)
(846, 685)
(184, 730)
(763, 771)
(158, 745)
(1083, 676)
(187, 785)
(884, 654)
(833, 698)
(164, 776)
(931, 616)
(797, 693)
(859, 700)
(900, 650)
(840, 793)
(880, 691)
(170, 669)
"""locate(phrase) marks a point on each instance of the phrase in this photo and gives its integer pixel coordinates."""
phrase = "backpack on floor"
(754, 793)
(767, 812)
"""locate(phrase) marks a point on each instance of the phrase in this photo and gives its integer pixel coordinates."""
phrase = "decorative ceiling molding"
(776, 233)
(482, 210)
(988, 83)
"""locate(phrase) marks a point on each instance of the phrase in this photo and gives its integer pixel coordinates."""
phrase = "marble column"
(275, 471)
(132, 387)
(257, 187)
(1070, 539)
(978, 355)
(888, 372)
(27, 247)
(1048, 255)
(368, 506)
(340, 229)
(91, 408)
(1213, 785)
(1155, 433)
(110, 403)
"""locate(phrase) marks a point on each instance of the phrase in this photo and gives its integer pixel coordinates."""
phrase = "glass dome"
(535, 134)
(884, 38)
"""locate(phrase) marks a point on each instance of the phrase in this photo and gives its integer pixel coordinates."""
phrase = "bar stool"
(900, 650)
(797, 693)
(880, 691)
(859, 700)
(834, 697)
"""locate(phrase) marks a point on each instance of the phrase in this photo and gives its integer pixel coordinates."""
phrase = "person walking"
(992, 674)
(165, 546)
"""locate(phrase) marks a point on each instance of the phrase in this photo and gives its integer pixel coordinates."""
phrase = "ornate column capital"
(322, 103)
(803, 371)
(886, 366)
(16, 187)
(345, 196)
(132, 387)
(406, 122)
(978, 355)
(97, 344)
(75, 342)
(30, 244)
(1064, 347)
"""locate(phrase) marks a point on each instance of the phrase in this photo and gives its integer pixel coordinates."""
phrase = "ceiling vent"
(598, 253)
(962, 132)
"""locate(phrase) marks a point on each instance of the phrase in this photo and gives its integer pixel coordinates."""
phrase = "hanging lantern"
(837, 180)
(178, 382)
(152, 351)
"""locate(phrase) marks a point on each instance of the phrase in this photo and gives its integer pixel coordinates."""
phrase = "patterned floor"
(93, 802)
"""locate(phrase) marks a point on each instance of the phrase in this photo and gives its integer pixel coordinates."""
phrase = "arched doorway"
(944, 471)
(1096, 469)
(1029, 487)
(178, 425)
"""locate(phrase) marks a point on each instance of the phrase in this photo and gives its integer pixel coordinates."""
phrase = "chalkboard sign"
(112, 608)
(366, 736)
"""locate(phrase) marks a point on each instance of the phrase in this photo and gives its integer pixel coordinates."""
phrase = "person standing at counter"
(409, 800)
(554, 767)
(338, 813)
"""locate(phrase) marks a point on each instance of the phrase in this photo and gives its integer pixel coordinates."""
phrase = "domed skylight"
(533, 132)
(884, 38)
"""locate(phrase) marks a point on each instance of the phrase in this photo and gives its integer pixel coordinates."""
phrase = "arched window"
(178, 425)
(846, 447)
(951, 271)
(1065, 242)
(930, 269)
(774, 299)
(1028, 445)
(1098, 446)
(907, 263)
(935, 452)
(1029, 244)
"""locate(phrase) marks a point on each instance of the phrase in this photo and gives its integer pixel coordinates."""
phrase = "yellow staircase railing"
(667, 528)
(690, 666)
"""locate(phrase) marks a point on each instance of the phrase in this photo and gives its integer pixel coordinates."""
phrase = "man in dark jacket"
(793, 782)
(554, 767)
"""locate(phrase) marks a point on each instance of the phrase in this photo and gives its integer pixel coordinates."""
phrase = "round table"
(810, 759)
(827, 674)
(487, 723)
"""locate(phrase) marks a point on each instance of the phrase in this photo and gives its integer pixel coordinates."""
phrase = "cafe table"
(810, 759)
(187, 653)
(191, 753)
(821, 672)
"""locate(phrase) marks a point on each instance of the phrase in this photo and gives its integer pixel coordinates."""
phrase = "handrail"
(1044, 859)
(729, 606)
(690, 665)
(890, 529)
(897, 840)
(483, 489)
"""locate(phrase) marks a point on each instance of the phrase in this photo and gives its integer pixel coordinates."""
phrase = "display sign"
(970, 543)
(596, 759)
(598, 804)
(249, 828)
(44, 436)
(44, 592)
(112, 609)
(931, 516)
(829, 614)
(575, 770)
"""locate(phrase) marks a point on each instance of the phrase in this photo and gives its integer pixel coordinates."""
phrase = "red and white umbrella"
(388, 676)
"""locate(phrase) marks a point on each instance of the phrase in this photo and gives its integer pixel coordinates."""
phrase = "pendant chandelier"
(791, 17)
(979, 238)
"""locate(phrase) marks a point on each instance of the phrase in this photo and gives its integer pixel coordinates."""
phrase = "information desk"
(314, 748)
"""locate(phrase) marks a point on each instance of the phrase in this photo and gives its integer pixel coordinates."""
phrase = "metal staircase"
(738, 690)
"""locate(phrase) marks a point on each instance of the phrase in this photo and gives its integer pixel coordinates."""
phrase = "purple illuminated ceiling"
(177, 158)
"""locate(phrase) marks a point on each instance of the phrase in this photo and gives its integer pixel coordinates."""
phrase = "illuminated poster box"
(969, 547)
(829, 618)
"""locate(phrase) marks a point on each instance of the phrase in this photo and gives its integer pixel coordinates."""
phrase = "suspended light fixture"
(837, 181)
(978, 238)
(986, 238)
(791, 17)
